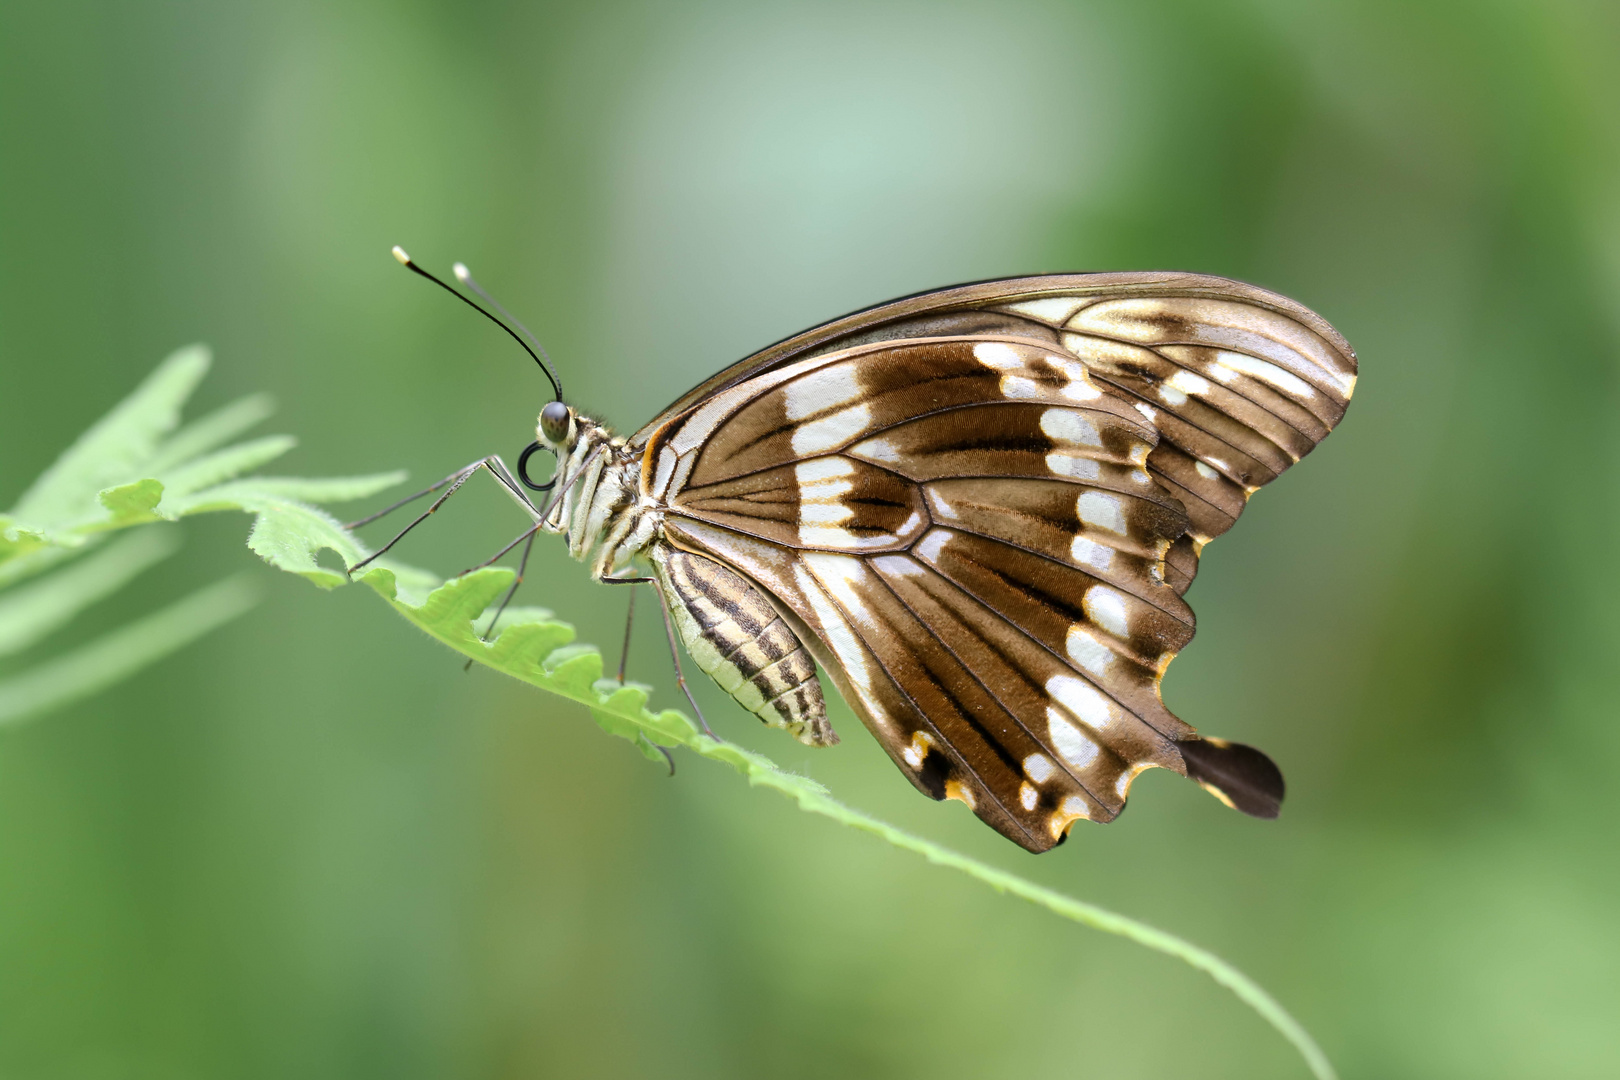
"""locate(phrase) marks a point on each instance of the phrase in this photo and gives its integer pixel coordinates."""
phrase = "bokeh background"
(312, 847)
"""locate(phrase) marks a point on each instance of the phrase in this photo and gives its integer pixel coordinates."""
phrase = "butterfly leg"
(629, 621)
(523, 566)
(497, 468)
(680, 678)
(674, 650)
(391, 507)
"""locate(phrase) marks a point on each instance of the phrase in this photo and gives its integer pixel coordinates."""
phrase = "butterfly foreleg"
(740, 640)
(497, 468)
(511, 591)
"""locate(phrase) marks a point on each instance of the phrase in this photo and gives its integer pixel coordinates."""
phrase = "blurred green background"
(312, 847)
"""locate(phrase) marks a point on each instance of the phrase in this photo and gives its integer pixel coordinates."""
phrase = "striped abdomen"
(736, 636)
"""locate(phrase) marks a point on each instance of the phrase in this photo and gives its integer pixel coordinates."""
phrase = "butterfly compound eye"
(554, 423)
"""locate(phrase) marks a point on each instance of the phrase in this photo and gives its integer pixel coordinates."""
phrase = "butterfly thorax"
(598, 506)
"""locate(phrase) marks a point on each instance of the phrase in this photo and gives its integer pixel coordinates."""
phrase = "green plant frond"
(32, 611)
(290, 535)
(129, 470)
(125, 505)
(18, 542)
(122, 473)
(114, 449)
(216, 429)
(222, 465)
(530, 645)
(110, 659)
(325, 489)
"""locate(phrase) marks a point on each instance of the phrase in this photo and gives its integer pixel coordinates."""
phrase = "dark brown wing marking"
(862, 507)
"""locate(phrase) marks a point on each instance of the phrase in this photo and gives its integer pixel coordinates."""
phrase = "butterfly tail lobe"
(1238, 775)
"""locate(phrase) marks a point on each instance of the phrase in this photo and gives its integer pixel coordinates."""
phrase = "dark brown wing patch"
(823, 502)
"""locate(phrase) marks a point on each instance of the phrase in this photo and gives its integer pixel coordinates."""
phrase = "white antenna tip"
(461, 272)
(399, 253)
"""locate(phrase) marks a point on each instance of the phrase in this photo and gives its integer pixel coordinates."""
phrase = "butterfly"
(977, 509)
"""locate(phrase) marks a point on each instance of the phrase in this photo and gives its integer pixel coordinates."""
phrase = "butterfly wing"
(1238, 392)
(981, 519)
(1268, 377)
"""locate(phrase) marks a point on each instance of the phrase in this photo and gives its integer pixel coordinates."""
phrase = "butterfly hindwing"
(956, 697)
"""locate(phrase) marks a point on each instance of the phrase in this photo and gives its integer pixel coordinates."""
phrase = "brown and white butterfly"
(977, 509)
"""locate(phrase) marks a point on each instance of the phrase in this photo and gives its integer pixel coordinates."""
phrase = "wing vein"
(1161, 437)
(1235, 392)
(954, 527)
(1034, 738)
(943, 742)
(1087, 676)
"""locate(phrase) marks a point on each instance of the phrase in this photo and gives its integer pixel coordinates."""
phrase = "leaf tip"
(381, 579)
(195, 358)
(130, 502)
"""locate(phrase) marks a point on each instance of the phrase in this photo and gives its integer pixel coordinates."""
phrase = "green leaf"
(541, 652)
(129, 470)
(115, 475)
(19, 539)
(243, 494)
(33, 611)
(227, 464)
(113, 451)
(217, 428)
(122, 472)
(290, 536)
(128, 504)
(116, 656)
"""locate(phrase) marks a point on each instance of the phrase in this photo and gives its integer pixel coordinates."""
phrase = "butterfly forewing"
(1237, 389)
(979, 509)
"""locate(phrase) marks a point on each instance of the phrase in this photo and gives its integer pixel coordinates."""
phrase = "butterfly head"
(556, 428)
(583, 449)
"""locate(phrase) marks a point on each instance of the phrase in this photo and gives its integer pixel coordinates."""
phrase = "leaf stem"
(1109, 922)
(538, 653)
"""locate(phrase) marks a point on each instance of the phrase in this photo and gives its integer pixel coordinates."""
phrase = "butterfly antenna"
(464, 276)
(406, 261)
